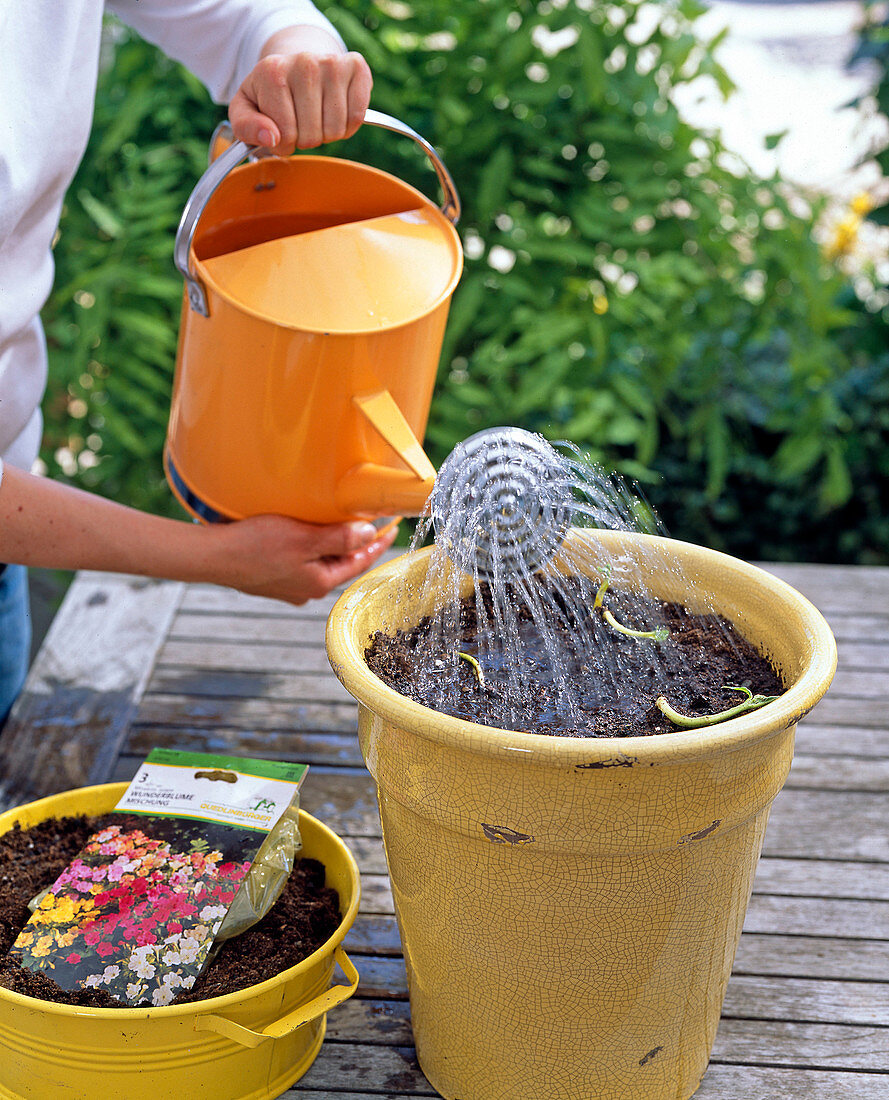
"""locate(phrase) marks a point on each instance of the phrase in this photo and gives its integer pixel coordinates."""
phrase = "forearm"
(55, 526)
(49, 525)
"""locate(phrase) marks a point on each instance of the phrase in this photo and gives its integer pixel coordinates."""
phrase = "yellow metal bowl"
(249, 1045)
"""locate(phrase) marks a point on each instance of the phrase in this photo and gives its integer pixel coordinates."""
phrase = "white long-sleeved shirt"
(49, 54)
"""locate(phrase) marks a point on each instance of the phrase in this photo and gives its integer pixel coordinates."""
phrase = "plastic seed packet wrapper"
(203, 850)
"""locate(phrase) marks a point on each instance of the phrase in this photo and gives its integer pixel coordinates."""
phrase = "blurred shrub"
(628, 285)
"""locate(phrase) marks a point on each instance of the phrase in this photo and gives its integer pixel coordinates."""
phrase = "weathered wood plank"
(863, 742)
(376, 895)
(816, 1046)
(872, 627)
(315, 687)
(360, 1067)
(246, 714)
(298, 1091)
(823, 878)
(368, 852)
(857, 684)
(839, 773)
(373, 934)
(308, 748)
(808, 824)
(863, 655)
(339, 1094)
(797, 956)
(753, 1083)
(855, 919)
(857, 590)
(807, 1000)
(245, 658)
(209, 600)
(83, 689)
(250, 629)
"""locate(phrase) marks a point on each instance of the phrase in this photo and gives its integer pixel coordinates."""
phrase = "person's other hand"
(303, 92)
(289, 560)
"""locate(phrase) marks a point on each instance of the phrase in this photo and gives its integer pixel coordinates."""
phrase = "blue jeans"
(15, 635)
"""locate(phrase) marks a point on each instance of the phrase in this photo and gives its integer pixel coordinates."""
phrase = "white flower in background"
(92, 981)
(162, 996)
(212, 912)
(171, 958)
(135, 991)
(110, 973)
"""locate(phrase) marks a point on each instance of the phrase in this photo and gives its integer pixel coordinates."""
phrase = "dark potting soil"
(303, 918)
(702, 655)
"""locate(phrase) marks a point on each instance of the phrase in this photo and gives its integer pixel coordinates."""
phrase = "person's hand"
(287, 559)
(303, 92)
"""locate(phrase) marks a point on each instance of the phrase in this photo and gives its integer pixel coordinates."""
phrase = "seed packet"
(202, 850)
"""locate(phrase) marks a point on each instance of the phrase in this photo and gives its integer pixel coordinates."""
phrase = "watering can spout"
(372, 490)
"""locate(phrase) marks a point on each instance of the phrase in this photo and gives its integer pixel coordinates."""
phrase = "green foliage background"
(628, 285)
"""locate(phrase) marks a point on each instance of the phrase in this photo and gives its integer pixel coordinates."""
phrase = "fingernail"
(267, 138)
(364, 532)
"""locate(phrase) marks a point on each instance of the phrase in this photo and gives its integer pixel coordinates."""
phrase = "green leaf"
(105, 219)
(716, 451)
(772, 140)
(493, 184)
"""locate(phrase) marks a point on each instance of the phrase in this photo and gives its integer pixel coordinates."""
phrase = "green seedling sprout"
(659, 635)
(476, 668)
(749, 703)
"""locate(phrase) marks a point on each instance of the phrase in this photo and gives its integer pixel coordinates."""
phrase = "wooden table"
(130, 664)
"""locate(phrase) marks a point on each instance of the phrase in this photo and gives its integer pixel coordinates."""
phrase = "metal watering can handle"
(237, 152)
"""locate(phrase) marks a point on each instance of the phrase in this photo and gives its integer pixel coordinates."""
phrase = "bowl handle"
(221, 166)
(303, 1014)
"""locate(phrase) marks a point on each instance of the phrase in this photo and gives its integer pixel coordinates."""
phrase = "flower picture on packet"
(137, 912)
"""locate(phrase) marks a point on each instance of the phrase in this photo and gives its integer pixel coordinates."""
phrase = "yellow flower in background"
(25, 939)
(600, 304)
(845, 232)
(862, 204)
(845, 235)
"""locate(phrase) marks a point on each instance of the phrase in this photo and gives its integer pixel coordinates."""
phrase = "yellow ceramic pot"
(570, 909)
(249, 1045)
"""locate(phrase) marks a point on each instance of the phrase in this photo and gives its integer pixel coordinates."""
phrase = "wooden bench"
(129, 664)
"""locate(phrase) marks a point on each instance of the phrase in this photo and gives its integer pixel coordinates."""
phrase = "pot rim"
(448, 228)
(346, 656)
(190, 1008)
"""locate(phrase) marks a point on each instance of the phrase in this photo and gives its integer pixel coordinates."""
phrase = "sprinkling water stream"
(543, 634)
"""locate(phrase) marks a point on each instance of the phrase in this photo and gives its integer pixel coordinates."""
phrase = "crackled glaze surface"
(570, 910)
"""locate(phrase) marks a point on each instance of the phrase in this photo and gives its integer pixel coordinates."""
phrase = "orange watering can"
(317, 291)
